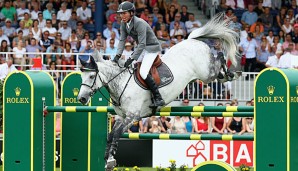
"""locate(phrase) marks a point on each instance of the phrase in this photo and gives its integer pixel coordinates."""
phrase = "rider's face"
(125, 16)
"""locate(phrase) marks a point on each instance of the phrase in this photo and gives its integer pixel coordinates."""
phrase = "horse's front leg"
(121, 126)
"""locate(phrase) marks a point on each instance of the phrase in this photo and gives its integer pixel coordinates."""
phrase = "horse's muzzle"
(83, 100)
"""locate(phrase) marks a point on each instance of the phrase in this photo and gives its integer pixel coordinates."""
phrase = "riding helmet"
(126, 6)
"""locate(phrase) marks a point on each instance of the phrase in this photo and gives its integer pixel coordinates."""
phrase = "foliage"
(244, 167)
(135, 168)
(172, 167)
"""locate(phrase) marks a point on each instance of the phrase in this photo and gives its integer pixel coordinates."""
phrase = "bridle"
(93, 90)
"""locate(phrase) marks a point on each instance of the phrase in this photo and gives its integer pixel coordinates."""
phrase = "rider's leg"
(144, 72)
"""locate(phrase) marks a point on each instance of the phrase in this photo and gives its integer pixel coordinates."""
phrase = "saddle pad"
(165, 74)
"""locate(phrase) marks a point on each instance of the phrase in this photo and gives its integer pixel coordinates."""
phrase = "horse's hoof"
(111, 163)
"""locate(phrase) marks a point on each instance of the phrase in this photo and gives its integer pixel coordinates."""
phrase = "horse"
(188, 60)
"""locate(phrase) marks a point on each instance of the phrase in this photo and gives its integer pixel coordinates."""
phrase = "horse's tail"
(218, 28)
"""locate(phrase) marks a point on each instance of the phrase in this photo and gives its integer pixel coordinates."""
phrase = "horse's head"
(91, 80)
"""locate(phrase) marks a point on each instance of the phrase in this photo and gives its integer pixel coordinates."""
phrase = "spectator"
(84, 13)
(166, 47)
(65, 31)
(276, 4)
(59, 40)
(244, 33)
(101, 40)
(56, 75)
(27, 21)
(47, 14)
(235, 25)
(291, 16)
(74, 41)
(267, 19)
(116, 24)
(202, 125)
(184, 13)
(250, 124)
(259, 9)
(145, 14)
(287, 41)
(179, 37)
(34, 13)
(36, 31)
(33, 49)
(177, 19)
(140, 7)
(137, 126)
(176, 5)
(249, 17)
(170, 15)
(282, 37)
(160, 21)
(68, 58)
(3, 37)
(248, 47)
(88, 49)
(294, 7)
(64, 14)
(9, 12)
(41, 21)
(22, 10)
(280, 18)
(22, 28)
(72, 22)
(165, 121)
(108, 31)
(155, 128)
(111, 50)
(16, 40)
(99, 48)
(6, 68)
(28, 38)
(86, 39)
(80, 30)
(258, 34)
(155, 14)
(287, 26)
(265, 42)
(273, 60)
(112, 10)
(52, 56)
(148, 124)
(192, 24)
(270, 37)
(276, 43)
(236, 125)
(45, 41)
(4, 48)
(19, 56)
(189, 123)
(127, 52)
(55, 5)
(177, 125)
(285, 60)
(218, 124)
(151, 22)
(163, 33)
(9, 31)
(50, 29)
(262, 57)
(258, 23)
(55, 22)
(162, 6)
(177, 30)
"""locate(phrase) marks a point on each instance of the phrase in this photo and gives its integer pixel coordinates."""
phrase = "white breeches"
(147, 61)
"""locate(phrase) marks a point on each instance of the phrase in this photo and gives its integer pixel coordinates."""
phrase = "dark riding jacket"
(142, 33)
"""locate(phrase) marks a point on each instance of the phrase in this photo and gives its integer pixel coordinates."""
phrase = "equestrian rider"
(148, 46)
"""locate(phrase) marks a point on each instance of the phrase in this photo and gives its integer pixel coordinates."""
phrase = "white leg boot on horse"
(157, 100)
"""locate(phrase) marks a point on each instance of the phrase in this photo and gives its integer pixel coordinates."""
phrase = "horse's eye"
(92, 76)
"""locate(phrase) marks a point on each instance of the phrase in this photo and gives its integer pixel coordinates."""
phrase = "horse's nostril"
(83, 100)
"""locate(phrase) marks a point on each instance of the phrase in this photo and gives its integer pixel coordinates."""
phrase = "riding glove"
(116, 58)
(128, 62)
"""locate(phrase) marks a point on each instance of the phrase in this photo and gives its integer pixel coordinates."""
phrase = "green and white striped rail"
(196, 111)
(226, 137)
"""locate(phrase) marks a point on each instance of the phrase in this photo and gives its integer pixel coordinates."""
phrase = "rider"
(147, 49)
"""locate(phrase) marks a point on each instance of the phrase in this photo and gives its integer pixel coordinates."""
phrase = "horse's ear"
(83, 62)
(97, 56)
(92, 64)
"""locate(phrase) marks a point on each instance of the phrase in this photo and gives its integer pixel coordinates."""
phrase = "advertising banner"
(193, 152)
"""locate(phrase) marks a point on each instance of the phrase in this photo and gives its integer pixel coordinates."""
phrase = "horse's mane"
(218, 28)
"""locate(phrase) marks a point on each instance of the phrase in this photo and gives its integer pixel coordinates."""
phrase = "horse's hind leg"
(226, 70)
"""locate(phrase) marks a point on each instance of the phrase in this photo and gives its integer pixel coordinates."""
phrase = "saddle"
(160, 72)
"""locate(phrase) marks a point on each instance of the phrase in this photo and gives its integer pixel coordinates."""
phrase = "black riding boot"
(158, 101)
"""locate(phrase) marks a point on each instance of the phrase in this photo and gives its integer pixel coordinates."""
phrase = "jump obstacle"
(29, 137)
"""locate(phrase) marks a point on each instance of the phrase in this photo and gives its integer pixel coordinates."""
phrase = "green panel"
(99, 130)
(213, 166)
(17, 123)
(43, 88)
(23, 126)
(292, 76)
(271, 121)
(74, 128)
(83, 138)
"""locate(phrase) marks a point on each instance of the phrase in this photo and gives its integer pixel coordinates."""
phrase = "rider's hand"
(116, 58)
(128, 62)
